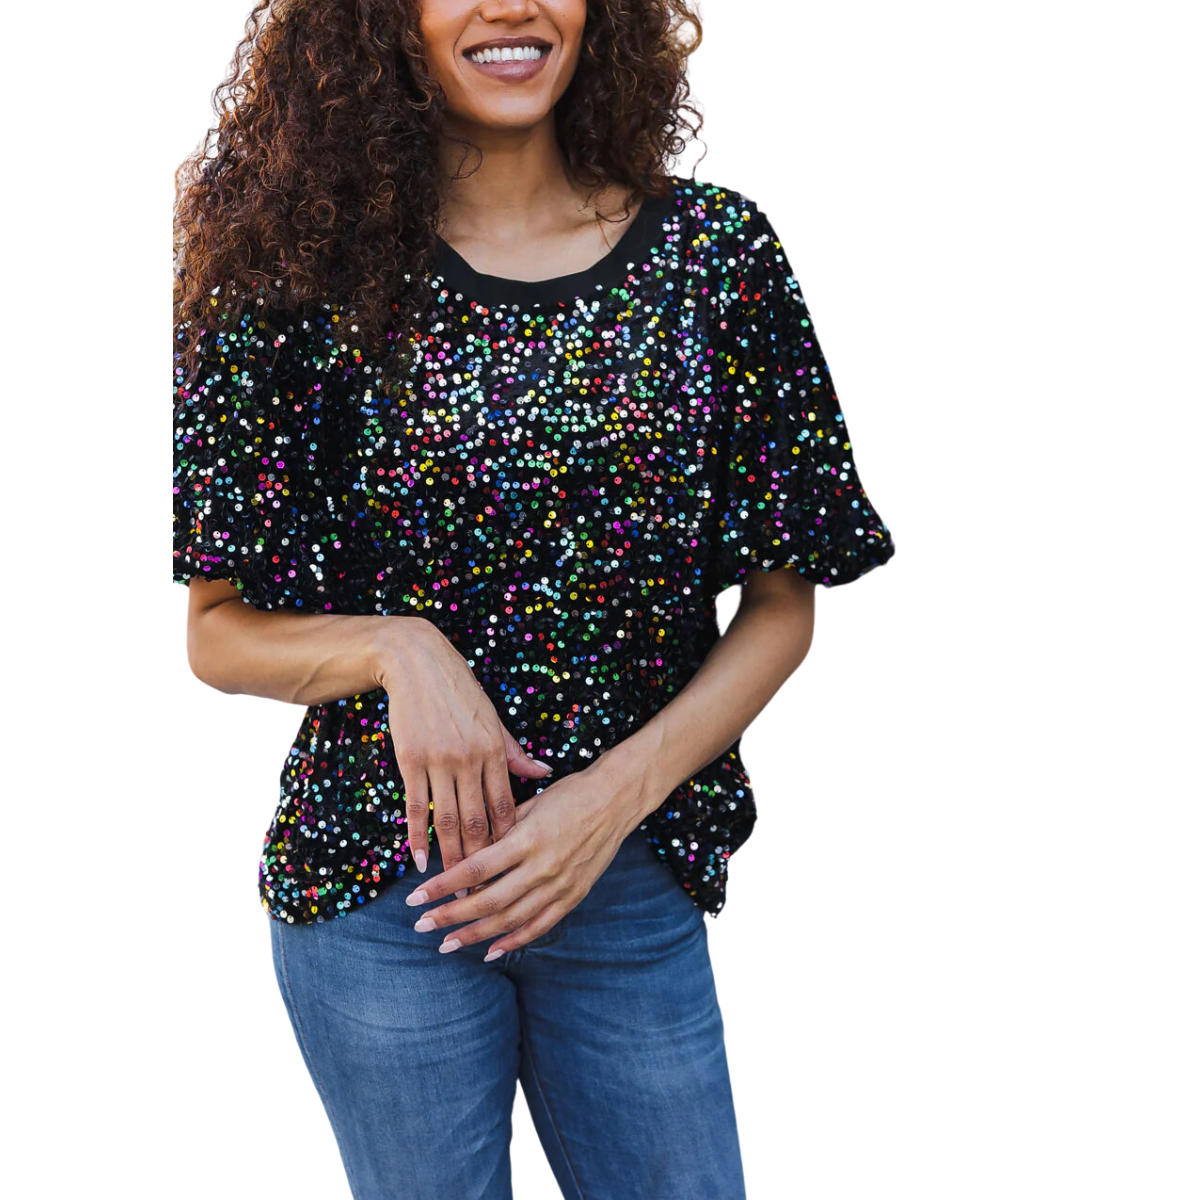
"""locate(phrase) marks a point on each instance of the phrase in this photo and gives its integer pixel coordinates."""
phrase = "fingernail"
(417, 897)
(462, 893)
(452, 944)
(422, 860)
(424, 924)
(547, 765)
(492, 954)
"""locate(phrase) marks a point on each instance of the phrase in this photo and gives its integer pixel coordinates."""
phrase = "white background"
(959, 957)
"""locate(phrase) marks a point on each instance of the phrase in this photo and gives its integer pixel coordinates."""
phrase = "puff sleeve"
(253, 501)
(790, 492)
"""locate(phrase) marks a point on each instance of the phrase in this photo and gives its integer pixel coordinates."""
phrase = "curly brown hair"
(321, 179)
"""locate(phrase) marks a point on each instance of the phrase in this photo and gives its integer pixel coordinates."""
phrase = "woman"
(478, 408)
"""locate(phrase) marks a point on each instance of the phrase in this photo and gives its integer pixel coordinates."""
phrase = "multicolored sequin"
(563, 490)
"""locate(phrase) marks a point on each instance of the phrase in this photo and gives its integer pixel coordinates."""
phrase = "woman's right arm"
(451, 747)
(299, 658)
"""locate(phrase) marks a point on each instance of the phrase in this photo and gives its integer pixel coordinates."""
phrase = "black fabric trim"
(645, 231)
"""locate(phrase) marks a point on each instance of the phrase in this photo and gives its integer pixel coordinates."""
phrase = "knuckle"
(474, 871)
(444, 753)
(503, 808)
(476, 825)
(447, 819)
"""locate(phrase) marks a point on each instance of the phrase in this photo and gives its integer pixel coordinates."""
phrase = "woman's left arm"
(568, 834)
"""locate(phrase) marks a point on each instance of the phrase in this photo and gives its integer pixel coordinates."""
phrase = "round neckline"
(611, 268)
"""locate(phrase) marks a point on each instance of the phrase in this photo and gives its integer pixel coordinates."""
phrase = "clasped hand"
(535, 874)
(529, 864)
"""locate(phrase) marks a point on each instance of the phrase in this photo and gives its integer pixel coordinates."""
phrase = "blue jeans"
(609, 1020)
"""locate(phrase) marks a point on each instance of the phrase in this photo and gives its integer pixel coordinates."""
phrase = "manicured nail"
(422, 860)
(492, 954)
(547, 765)
(452, 944)
(424, 924)
(462, 893)
(417, 897)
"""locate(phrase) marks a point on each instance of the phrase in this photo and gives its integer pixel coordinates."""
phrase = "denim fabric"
(609, 1020)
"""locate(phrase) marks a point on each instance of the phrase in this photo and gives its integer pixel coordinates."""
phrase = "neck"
(520, 185)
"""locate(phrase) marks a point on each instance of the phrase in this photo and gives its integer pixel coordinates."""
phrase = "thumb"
(520, 763)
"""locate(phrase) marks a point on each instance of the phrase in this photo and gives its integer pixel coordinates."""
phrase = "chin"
(506, 116)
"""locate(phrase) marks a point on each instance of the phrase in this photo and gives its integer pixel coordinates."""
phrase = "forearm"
(299, 658)
(768, 638)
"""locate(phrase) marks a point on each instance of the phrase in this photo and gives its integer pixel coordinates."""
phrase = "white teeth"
(506, 54)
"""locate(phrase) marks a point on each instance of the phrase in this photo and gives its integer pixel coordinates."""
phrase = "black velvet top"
(578, 466)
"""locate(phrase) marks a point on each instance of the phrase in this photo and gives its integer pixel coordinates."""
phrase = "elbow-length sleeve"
(253, 503)
(790, 493)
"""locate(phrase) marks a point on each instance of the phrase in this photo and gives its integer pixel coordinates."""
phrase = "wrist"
(630, 775)
(390, 644)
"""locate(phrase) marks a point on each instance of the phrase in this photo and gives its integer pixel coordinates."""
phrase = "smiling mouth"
(508, 53)
(510, 59)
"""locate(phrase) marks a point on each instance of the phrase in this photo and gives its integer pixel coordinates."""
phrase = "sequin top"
(577, 468)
